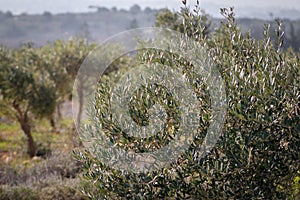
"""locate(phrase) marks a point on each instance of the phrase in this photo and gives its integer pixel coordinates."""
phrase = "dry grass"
(54, 177)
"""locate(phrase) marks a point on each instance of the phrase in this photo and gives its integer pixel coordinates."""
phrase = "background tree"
(133, 24)
(292, 36)
(25, 91)
(135, 9)
(62, 60)
(72, 56)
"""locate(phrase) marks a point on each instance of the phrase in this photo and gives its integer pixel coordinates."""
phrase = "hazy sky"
(211, 6)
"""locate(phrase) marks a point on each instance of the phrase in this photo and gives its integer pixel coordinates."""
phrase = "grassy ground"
(53, 177)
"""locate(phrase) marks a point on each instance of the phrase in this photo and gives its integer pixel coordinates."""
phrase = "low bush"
(61, 192)
(20, 193)
(55, 177)
(258, 155)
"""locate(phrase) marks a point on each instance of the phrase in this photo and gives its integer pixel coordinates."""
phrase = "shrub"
(258, 154)
(55, 177)
(22, 193)
(8, 175)
(60, 192)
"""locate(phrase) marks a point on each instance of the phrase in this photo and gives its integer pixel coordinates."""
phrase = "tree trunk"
(58, 108)
(80, 101)
(52, 123)
(77, 142)
(25, 126)
(31, 146)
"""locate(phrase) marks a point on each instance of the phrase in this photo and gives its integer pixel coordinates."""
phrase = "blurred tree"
(114, 9)
(293, 39)
(86, 33)
(73, 54)
(25, 92)
(148, 10)
(62, 61)
(99, 8)
(9, 14)
(135, 9)
(133, 24)
(47, 15)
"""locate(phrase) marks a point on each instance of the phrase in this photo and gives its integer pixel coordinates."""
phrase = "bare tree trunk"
(25, 126)
(80, 93)
(80, 101)
(58, 108)
(31, 146)
(52, 123)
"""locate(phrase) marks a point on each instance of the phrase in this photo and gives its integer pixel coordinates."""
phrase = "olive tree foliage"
(258, 153)
(83, 71)
(36, 81)
(196, 24)
(62, 60)
(74, 54)
(57, 72)
(26, 92)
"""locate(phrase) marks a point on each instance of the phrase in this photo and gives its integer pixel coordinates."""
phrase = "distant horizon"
(253, 9)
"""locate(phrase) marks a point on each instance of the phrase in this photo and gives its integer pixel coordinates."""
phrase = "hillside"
(104, 22)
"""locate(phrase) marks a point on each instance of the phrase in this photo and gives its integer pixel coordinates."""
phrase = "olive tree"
(258, 153)
(62, 60)
(72, 55)
(25, 92)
